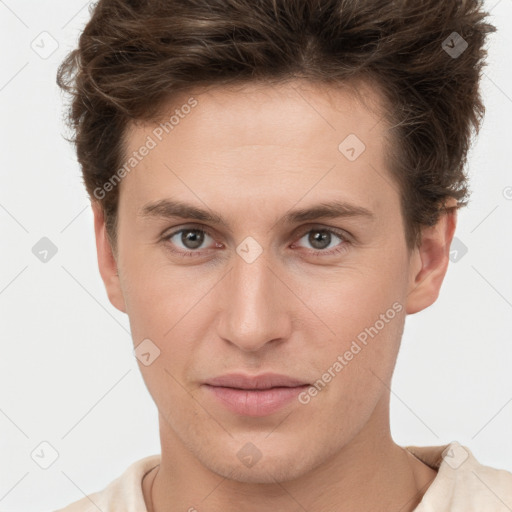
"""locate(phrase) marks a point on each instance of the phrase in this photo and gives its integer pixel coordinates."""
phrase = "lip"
(254, 395)
(262, 381)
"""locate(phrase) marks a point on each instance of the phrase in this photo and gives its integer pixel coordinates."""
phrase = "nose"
(255, 307)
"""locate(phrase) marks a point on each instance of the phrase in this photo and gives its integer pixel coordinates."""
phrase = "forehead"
(264, 113)
(263, 141)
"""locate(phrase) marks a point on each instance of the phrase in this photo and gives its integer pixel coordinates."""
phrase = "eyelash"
(341, 248)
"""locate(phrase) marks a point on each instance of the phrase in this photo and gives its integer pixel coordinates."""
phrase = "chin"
(263, 475)
(269, 472)
(273, 465)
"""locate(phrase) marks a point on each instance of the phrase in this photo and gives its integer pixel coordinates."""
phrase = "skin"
(252, 154)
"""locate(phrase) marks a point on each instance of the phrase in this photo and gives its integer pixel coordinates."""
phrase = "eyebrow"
(168, 208)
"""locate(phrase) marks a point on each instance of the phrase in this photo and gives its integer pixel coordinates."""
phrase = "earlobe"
(107, 263)
(429, 262)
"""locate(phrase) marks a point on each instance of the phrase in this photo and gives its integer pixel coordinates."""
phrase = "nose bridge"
(254, 310)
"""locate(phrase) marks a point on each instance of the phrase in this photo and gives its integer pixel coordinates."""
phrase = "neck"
(371, 473)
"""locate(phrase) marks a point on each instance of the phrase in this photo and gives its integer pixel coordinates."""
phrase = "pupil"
(192, 239)
(318, 241)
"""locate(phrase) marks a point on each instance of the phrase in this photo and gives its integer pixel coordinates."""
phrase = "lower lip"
(255, 403)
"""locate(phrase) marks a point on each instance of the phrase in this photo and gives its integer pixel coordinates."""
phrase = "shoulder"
(462, 482)
(124, 494)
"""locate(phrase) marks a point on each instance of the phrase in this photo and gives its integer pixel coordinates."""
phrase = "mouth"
(255, 396)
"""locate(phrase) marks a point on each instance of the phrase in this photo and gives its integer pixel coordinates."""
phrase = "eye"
(325, 241)
(189, 241)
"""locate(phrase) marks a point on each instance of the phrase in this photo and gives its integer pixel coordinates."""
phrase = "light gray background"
(67, 373)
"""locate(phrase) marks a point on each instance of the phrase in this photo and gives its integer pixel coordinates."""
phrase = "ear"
(106, 261)
(429, 261)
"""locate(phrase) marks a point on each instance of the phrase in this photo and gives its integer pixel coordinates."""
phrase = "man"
(275, 187)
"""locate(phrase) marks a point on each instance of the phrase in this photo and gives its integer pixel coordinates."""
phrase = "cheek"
(155, 293)
(364, 308)
(353, 299)
(354, 371)
(163, 304)
(159, 308)
(367, 338)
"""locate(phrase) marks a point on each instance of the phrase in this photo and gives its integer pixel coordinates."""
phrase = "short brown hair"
(426, 58)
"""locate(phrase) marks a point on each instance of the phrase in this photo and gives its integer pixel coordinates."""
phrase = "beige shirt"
(462, 484)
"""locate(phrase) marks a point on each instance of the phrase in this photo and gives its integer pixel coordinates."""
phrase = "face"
(298, 267)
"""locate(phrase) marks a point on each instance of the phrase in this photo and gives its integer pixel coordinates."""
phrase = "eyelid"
(299, 232)
(341, 233)
(169, 233)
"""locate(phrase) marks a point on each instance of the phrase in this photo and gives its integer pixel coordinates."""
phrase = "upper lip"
(262, 381)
